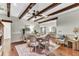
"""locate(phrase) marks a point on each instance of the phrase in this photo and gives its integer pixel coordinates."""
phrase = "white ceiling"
(57, 8)
(39, 7)
(18, 8)
(3, 8)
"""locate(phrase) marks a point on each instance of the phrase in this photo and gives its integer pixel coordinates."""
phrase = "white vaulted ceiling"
(18, 8)
(39, 7)
(57, 8)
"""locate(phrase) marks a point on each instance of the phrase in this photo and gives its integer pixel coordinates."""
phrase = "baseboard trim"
(18, 42)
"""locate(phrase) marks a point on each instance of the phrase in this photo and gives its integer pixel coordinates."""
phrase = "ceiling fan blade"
(35, 16)
(29, 13)
(37, 12)
(45, 16)
(40, 16)
(28, 16)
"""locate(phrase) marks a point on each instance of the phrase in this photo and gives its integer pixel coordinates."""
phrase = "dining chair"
(33, 43)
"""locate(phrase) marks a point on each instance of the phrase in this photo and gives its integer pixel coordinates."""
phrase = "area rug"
(23, 50)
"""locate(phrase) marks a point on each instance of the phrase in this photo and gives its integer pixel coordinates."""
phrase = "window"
(53, 30)
(43, 30)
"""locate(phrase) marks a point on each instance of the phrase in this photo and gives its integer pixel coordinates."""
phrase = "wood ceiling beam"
(9, 21)
(62, 10)
(8, 9)
(46, 9)
(30, 6)
(65, 9)
(48, 20)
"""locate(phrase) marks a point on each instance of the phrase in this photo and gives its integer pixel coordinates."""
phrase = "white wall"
(48, 25)
(17, 27)
(4, 17)
(6, 42)
(67, 21)
(7, 30)
(15, 32)
(7, 26)
(11, 30)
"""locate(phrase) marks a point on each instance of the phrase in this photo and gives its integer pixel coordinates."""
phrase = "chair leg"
(30, 49)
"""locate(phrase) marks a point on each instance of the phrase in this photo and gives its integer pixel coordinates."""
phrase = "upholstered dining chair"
(46, 40)
(41, 43)
(33, 43)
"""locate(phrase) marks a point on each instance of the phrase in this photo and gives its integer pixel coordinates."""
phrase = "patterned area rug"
(23, 50)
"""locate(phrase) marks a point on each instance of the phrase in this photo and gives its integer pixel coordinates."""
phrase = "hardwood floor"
(13, 51)
(65, 51)
(61, 51)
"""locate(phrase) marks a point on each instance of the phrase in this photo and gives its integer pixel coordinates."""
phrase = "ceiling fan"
(35, 14)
